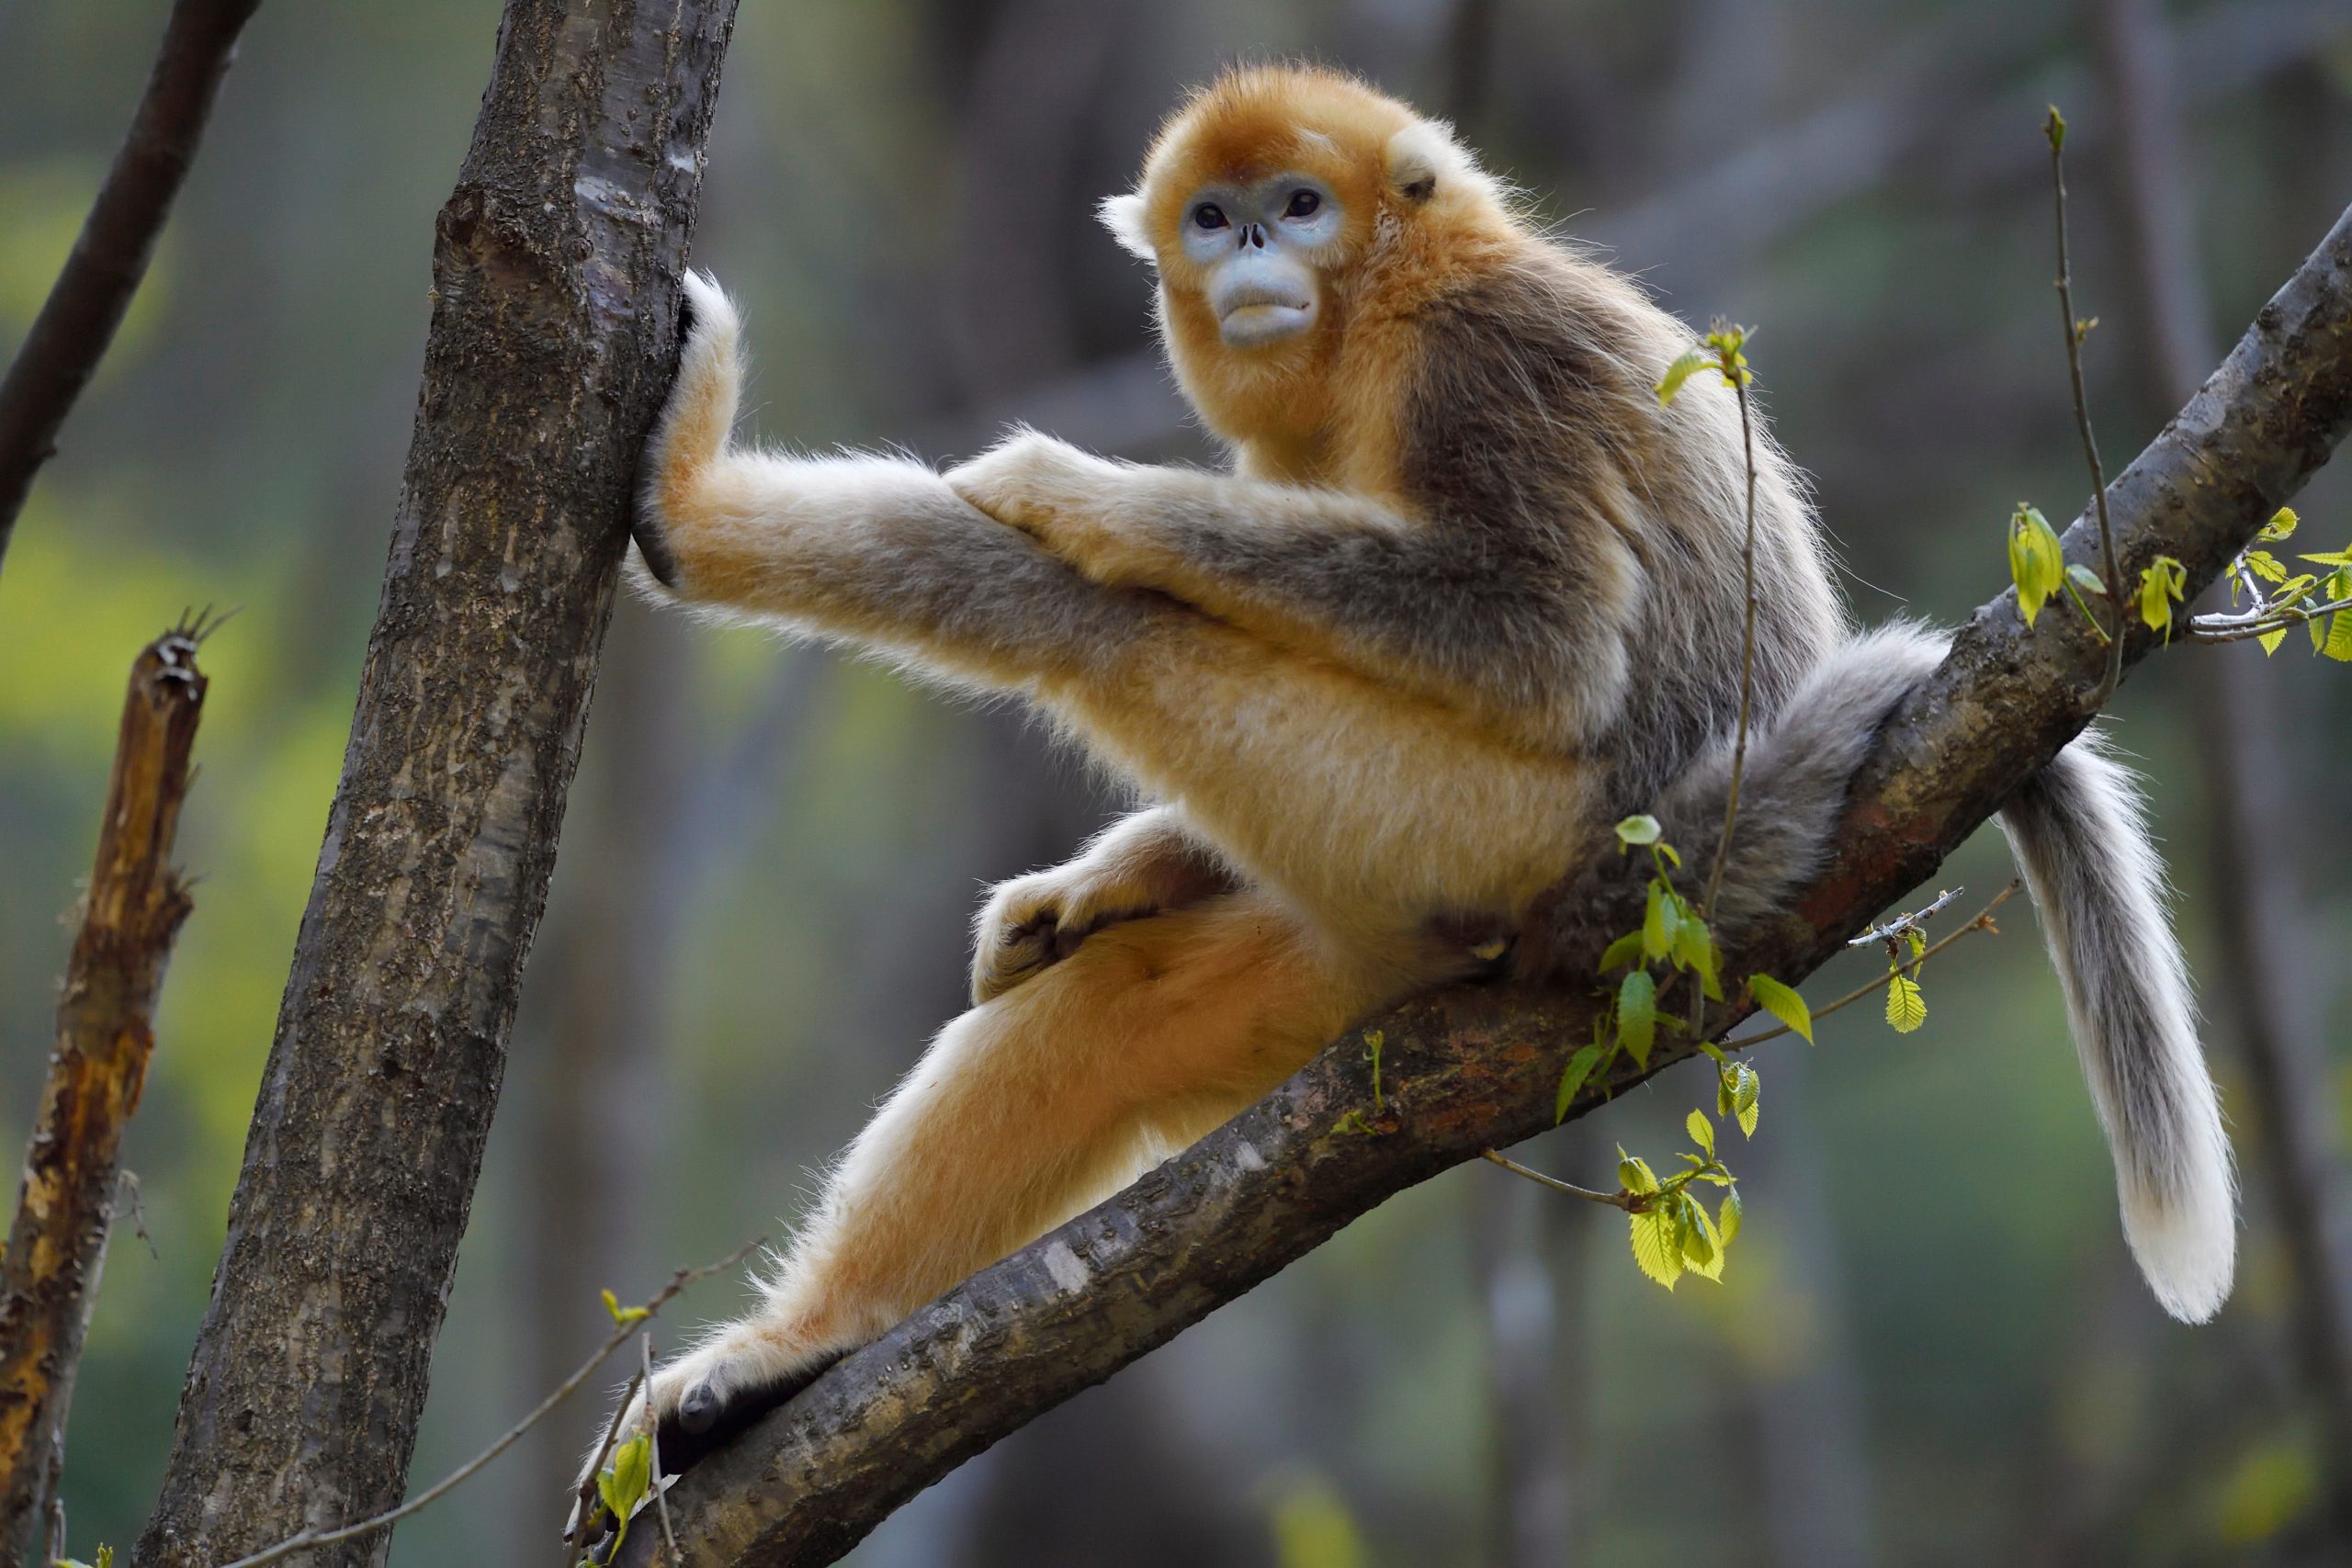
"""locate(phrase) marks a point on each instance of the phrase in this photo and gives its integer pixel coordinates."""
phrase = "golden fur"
(1468, 594)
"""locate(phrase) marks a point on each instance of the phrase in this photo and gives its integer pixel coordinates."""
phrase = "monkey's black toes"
(699, 1408)
(654, 545)
(706, 1418)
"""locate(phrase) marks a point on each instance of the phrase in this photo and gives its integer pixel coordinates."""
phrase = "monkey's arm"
(1475, 622)
(856, 548)
(1147, 862)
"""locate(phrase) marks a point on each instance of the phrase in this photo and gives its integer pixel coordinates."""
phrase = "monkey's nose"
(1253, 236)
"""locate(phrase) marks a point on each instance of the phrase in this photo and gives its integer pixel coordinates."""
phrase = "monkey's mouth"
(1260, 313)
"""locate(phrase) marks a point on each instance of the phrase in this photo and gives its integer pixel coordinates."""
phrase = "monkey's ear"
(1122, 215)
(1423, 156)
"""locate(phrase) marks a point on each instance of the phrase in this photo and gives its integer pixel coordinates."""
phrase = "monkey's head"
(1278, 202)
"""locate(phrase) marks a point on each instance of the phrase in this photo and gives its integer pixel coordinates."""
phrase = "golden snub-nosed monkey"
(1379, 676)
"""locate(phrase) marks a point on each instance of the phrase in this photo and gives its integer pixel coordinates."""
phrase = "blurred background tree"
(762, 906)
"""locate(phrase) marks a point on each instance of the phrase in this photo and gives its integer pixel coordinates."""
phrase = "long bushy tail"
(2077, 830)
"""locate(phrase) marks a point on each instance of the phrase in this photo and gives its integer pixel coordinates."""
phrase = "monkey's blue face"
(1260, 248)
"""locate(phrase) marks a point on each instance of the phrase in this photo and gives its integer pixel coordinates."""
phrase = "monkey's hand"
(1145, 864)
(1067, 500)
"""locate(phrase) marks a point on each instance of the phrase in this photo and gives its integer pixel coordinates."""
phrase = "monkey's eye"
(1208, 215)
(1302, 204)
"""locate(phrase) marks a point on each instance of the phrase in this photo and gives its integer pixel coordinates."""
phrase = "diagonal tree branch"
(111, 254)
(555, 277)
(1472, 1068)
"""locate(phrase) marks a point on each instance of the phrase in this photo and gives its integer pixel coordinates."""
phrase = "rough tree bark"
(1472, 1068)
(111, 254)
(554, 323)
(57, 1245)
(2257, 900)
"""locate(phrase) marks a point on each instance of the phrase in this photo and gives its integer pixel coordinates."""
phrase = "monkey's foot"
(698, 1403)
(1032, 922)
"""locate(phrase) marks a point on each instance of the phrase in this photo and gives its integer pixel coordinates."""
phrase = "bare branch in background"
(57, 1245)
(1476, 1067)
(111, 254)
(2261, 911)
(553, 334)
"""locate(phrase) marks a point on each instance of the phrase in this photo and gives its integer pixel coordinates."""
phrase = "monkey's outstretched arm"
(1411, 603)
(876, 550)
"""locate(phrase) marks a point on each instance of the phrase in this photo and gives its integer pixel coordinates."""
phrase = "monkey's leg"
(1023, 1112)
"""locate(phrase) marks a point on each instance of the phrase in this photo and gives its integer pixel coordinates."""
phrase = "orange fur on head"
(1419, 214)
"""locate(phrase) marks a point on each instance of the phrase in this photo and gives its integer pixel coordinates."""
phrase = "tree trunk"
(105, 1035)
(554, 326)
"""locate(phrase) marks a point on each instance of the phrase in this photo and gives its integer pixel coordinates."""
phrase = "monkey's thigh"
(1188, 1017)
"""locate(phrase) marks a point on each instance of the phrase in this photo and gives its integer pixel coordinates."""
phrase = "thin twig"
(2055, 129)
(653, 1439)
(2239, 628)
(620, 1336)
(1632, 1202)
(1903, 924)
(1737, 374)
(111, 254)
(1981, 922)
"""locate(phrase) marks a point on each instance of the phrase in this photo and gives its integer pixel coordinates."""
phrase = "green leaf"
(1657, 1247)
(622, 1483)
(2054, 128)
(623, 1316)
(1637, 1015)
(2037, 560)
(1698, 1237)
(2266, 566)
(1734, 1212)
(1684, 367)
(1906, 1009)
(1692, 950)
(1725, 1082)
(2086, 581)
(2339, 636)
(2271, 640)
(2280, 526)
(1702, 1246)
(2333, 557)
(2160, 587)
(1626, 948)
(1572, 1078)
(1659, 921)
(1701, 1131)
(1637, 830)
(1744, 1094)
(1635, 1175)
(1783, 1003)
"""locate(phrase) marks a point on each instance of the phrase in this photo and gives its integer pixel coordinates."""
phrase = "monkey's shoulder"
(1528, 395)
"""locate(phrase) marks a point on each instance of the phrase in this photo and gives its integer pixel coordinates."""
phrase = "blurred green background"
(1931, 1348)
